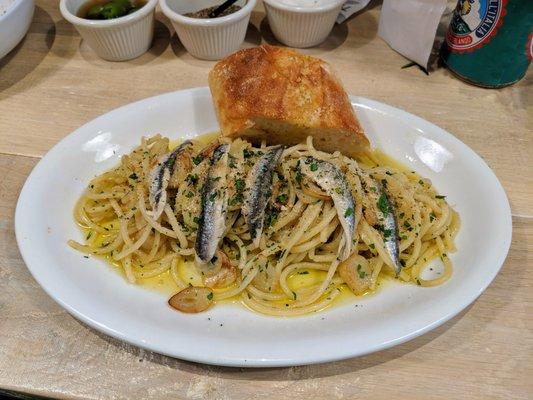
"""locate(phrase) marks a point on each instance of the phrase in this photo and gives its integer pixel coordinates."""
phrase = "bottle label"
(473, 24)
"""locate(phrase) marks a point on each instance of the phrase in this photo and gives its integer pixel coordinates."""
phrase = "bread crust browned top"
(262, 91)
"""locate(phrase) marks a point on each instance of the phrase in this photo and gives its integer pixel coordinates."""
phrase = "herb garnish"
(197, 159)
(383, 204)
(298, 176)
(192, 179)
(362, 274)
(282, 198)
(247, 153)
(239, 185)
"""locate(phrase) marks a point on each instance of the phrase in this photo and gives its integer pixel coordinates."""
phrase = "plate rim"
(263, 362)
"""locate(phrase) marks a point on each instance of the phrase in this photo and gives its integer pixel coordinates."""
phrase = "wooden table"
(52, 83)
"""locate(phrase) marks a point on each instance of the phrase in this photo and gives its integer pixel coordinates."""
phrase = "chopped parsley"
(432, 217)
(239, 184)
(383, 204)
(197, 159)
(133, 176)
(313, 167)
(282, 198)
(210, 296)
(270, 218)
(212, 197)
(298, 176)
(238, 198)
(360, 272)
(189, 194)
(387, 233)
(339, 190)
(89, 235)
(192, 179)
(348, 212)
(232, 161)
(247, 153)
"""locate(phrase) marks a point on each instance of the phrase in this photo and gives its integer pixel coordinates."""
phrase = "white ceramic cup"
(301, 27)
(116, 39)
(208, 39)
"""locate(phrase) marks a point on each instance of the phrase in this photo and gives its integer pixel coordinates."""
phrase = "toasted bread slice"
(281, 96)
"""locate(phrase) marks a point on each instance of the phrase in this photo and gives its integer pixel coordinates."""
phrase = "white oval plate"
(230, 334)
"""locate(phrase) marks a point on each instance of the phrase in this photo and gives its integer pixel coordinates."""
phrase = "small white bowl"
(208, 39)
(14, 24)
(301, 26)
(117, 39)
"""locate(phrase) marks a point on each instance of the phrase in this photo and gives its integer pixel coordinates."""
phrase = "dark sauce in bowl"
(206, 11)
(109, 9)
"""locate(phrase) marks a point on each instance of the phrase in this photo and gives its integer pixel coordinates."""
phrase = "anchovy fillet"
(387, 215)
(159, 178)
(212, 221)
(389, 232)
(259, 189)
(333, 182)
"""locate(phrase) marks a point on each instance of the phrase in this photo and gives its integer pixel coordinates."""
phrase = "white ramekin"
(301, 26)
(117, 39)
(208, 39)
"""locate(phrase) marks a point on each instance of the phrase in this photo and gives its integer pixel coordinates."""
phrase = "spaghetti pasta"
(302, 232)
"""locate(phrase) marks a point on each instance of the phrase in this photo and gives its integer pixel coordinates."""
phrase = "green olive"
(116, 9)
(113, 10)
(95, 12)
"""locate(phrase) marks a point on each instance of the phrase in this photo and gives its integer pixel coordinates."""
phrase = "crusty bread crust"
(283, 96)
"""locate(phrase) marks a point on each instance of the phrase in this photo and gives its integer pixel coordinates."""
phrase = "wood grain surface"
(52, 83)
